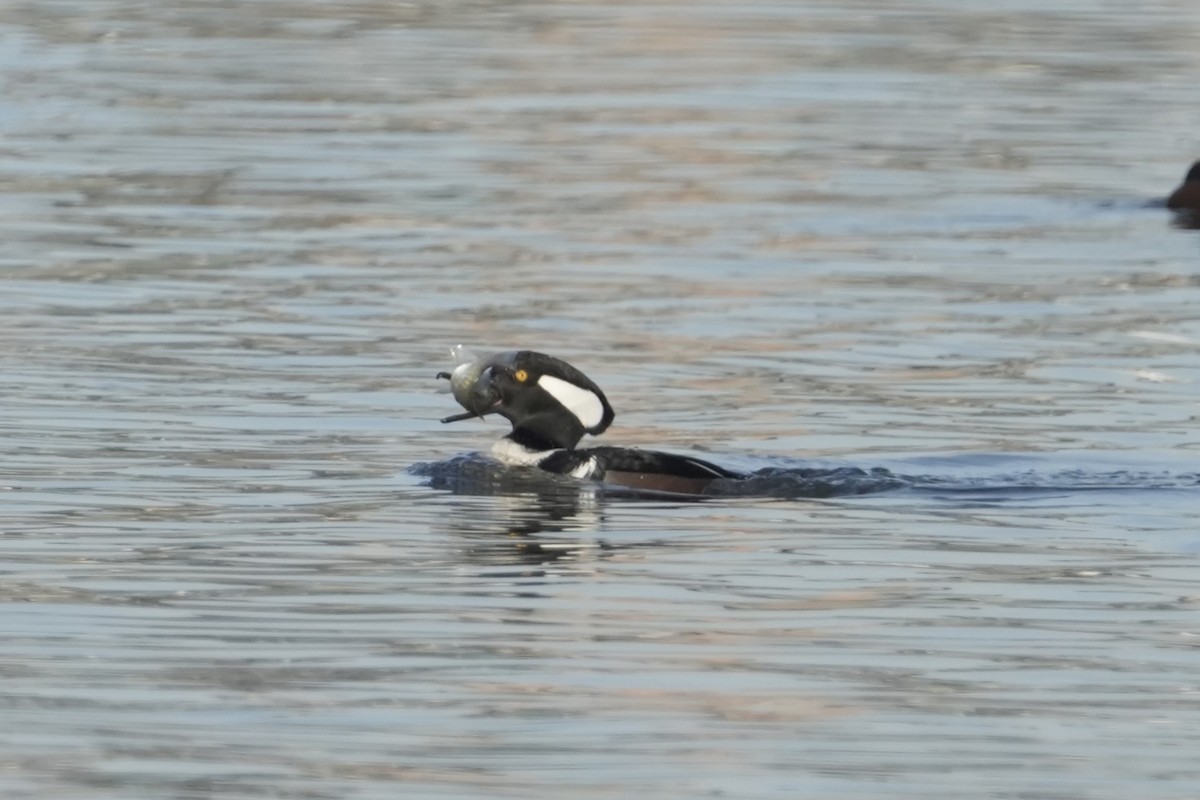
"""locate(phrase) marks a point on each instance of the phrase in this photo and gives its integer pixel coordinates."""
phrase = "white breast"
(506, 451)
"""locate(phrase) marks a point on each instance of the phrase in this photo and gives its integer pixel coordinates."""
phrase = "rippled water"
(241, 237)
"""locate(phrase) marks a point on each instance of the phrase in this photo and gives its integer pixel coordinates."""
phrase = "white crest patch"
(583, 403)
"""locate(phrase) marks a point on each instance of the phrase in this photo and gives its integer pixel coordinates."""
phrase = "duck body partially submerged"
(552, 406)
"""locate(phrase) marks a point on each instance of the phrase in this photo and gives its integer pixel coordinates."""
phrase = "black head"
(549, 403)
(1193, 175)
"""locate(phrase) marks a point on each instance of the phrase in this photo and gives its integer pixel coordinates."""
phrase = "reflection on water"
(835, 237)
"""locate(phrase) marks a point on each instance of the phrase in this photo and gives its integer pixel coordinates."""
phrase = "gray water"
(240, 239)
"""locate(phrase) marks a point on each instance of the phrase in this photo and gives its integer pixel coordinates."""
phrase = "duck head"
(550, 404)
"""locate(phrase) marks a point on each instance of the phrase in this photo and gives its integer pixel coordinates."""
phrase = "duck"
(552, 406)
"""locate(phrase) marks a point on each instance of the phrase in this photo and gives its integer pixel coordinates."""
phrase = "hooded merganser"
(551, 406)
(1187, 196)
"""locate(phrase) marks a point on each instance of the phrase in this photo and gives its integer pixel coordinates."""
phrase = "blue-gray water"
(241, 237)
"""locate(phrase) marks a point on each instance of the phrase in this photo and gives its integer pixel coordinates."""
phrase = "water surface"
(240, 239)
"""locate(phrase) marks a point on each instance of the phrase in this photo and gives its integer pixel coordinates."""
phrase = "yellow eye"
(521, 375)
